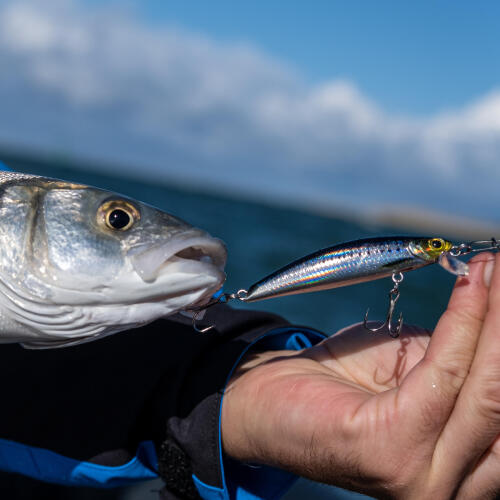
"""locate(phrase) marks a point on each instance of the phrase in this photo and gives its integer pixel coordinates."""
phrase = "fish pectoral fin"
(453, 265)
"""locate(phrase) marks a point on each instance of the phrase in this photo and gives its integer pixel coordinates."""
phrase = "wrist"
(243, 415)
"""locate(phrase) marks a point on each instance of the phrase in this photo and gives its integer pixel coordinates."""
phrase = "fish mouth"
(194, 252)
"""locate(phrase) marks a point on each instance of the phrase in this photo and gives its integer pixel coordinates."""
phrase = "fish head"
(430, 249)
(78, 261)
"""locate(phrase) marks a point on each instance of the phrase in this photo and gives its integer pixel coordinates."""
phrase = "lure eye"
(437, 243)
(118, 215)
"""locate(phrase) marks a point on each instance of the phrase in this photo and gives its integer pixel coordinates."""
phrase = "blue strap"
(241, 481)
(45, 465)
(3, 166)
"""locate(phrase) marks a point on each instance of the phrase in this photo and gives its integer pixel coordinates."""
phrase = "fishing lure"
(357, 262)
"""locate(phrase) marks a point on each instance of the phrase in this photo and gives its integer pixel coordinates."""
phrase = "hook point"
(195, 327)
(376, 329)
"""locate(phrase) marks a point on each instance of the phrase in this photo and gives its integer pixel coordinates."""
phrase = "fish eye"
(118, 219)
(437, 243)
(119, 215)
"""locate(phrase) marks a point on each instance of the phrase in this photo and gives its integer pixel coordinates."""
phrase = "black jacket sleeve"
(161, 383)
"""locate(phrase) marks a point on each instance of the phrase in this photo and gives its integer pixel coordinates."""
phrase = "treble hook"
(221, 299)
(195, 319)
(394, 332)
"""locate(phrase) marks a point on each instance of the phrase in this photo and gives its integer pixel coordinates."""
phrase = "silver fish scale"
(13, 176)
(340, 265)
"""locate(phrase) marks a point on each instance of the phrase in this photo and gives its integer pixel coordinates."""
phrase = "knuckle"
(465, 316)
(449, 374)
(453, 376)
(487, 400)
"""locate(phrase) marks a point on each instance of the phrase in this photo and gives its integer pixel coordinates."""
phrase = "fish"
(78, 263)
(354, 262)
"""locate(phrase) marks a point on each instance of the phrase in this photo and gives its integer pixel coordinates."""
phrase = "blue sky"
(410, 57)
(359, 106)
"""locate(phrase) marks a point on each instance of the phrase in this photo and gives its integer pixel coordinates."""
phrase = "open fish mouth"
(194, 252)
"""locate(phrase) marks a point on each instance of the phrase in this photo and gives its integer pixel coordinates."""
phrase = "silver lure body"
(341, 265)
(68, 275)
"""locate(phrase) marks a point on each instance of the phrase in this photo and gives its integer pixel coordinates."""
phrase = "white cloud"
(103, 85)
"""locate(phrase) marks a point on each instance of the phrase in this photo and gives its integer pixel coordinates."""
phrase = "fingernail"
(488, 272)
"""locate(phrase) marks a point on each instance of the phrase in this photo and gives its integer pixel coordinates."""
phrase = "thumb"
(438, 378)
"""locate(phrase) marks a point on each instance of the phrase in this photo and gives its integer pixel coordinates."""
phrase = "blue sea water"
(262, 237)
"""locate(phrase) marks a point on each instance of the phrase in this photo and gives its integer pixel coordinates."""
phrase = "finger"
(476, 416)
(484, 481)
(456, 335)
(433, 386)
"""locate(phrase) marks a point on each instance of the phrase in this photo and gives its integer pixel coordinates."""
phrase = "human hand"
(416, 417)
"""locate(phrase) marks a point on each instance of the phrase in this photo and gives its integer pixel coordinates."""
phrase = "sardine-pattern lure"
(359, 261)
(348, 264)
